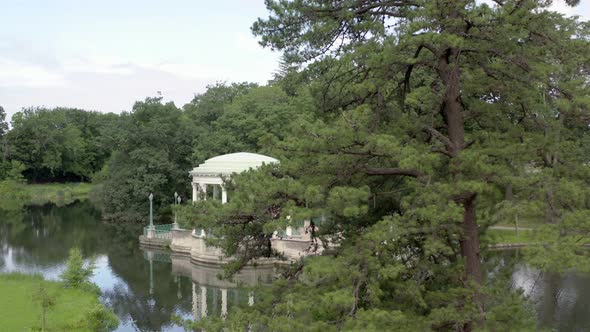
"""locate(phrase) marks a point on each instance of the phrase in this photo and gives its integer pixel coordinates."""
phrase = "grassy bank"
(58, 193)
(73, 309)
(508, 236)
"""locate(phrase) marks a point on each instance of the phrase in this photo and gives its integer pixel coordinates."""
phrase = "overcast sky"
(105, 55)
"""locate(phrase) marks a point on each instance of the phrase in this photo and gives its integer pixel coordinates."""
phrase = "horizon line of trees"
(149, 149)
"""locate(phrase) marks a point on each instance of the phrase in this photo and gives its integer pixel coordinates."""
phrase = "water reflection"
(210, 295)
(144, 293)
(146, 288)
(561, 301)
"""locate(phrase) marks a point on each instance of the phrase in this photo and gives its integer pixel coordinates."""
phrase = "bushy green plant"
(101, 319)
(77, 273)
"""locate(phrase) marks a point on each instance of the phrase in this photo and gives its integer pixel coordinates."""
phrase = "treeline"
(61, 144)
(149, 149)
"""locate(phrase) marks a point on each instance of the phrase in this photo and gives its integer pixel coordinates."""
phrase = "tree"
(60, 144)
(239, 117)
(153, 156)
(426, 113)
(13, 195)
(207, 108)
(46, 301)
(3, 123)
(3, 132)
(77, 273)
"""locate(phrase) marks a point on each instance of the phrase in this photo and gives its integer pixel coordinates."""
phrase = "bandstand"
(208, 181)
(208, 177)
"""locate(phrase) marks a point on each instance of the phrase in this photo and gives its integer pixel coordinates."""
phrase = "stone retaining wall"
(181, 242)
(154, 242)
(184, 243)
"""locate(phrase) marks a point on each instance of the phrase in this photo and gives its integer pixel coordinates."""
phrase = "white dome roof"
(231, 163)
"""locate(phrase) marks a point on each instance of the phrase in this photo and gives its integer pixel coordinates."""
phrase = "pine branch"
(414, 173)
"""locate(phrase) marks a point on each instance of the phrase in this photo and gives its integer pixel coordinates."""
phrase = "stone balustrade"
(193, 245)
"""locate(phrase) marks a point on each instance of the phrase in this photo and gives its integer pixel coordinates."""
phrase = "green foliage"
(404, 130)
(161, 143)
(240, 117)
(60, 144)
(418, 134)
(46, 301)
(15, 171)
(153, 157)
(13, 193)
(101, 319)
(77, 273)
(3, 123)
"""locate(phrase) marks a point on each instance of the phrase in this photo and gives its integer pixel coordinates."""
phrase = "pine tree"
(427, 115)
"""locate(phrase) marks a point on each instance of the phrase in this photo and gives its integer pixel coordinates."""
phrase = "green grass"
(501, 236)
(523, 221)
(58, 193)
(19, 312)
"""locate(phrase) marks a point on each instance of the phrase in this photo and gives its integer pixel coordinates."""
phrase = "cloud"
(189, 71)
(19, 74)
(562, 7)
(98, 64)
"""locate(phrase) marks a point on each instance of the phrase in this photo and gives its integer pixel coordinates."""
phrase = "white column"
(195, 192)
(204, 190)
(251, 299)
(223, 195)
(289, 231)
(223, 302)
(203, 301)
(215, 191)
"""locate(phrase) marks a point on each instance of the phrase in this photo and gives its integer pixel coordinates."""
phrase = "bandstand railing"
(157, 256)
(160, 231)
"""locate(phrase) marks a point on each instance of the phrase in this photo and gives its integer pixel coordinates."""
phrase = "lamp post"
(176, 202)
(151, 228)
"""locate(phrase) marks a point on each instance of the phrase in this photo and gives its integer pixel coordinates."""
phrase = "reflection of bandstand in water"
(212, 301)
(211, 296)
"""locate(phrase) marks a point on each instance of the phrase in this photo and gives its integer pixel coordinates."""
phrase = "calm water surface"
(145, 294)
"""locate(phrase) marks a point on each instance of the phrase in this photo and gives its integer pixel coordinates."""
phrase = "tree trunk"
(450, 74)
(43, 319)
(470, 241)
(453, 114)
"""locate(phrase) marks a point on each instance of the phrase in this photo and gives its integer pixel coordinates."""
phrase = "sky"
(105, 55)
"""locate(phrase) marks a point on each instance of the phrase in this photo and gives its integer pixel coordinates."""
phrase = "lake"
(145, 288)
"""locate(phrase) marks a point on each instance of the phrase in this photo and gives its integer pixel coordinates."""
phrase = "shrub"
(101, 319)
(77, 274)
